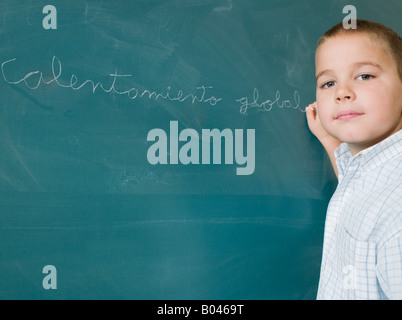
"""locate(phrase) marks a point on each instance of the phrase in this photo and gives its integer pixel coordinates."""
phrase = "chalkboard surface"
(159, 149)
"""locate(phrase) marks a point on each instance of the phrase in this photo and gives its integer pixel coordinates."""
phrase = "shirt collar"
(372, 157)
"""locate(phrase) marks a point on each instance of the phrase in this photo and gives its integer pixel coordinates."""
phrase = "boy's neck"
(355, 149)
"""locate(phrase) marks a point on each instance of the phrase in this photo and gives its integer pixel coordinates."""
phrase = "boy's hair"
(389, 40)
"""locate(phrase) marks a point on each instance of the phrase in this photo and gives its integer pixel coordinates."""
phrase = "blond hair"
(389, 40)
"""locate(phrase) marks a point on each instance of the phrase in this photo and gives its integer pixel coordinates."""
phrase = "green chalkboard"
(159, 149)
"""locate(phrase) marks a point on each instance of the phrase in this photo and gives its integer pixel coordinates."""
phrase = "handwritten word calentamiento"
(34, 79)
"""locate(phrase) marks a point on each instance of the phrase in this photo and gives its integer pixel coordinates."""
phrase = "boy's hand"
(314, 123)
(329, 142)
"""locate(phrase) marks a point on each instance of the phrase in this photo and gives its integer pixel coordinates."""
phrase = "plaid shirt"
(362, 253)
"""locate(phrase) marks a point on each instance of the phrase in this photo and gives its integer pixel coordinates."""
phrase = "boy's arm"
(328, 142)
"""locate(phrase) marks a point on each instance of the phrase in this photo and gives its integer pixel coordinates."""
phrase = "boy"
(359, 103)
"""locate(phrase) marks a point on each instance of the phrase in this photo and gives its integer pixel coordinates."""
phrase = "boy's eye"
(328, 84)
(365, 77)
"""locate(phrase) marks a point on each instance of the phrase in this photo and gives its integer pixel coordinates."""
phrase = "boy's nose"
(344, 93)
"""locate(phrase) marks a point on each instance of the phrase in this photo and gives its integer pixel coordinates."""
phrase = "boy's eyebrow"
(356, 65)
(370, 63)
(322, 73)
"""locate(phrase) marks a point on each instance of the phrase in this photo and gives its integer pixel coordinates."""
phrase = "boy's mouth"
(347, 115)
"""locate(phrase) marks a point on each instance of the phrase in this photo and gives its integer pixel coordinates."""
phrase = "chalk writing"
(34, 79)
(268, 104)
(202, 94)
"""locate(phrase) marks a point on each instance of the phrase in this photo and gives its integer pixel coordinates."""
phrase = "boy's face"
(359, 92)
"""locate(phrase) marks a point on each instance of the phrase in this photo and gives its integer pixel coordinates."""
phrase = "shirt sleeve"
(389, 268)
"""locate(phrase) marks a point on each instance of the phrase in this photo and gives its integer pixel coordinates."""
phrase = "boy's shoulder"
(387, 153)
(374, 211)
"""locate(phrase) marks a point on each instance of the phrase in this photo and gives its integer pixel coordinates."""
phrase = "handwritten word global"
(267, 105)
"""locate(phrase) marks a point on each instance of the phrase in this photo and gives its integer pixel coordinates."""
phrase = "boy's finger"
(310, 112)
(312, 106)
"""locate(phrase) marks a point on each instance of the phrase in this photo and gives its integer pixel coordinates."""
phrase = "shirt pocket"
(358, 263)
